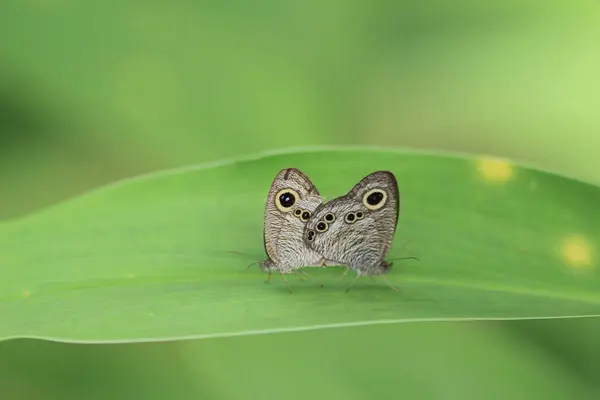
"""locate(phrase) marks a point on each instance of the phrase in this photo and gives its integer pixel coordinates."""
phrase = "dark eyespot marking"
(374, 199)
(298, 212)
(359, 215)
(350, 218)
(285, 199)
(305, 215)
(329, 217)
(322, 226)
(311, 235)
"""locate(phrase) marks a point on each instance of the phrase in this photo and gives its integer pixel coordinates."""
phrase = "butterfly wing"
(378, 193)
(357, 229)
(292, 195)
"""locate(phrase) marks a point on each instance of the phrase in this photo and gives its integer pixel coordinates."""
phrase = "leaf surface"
(150, 258)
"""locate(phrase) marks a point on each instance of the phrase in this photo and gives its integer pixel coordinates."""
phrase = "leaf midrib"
(582, 297)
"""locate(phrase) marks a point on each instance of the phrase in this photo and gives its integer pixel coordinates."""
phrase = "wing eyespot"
(285, 199)
(305, 216)
(374, 199)
(350, 218)
(321, 226)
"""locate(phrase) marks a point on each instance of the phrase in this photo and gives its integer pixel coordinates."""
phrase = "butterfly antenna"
(237, 252)
(243, 254)
(404, 258)
(254, 263)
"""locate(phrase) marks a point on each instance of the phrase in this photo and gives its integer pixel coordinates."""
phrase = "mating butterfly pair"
(355, 230)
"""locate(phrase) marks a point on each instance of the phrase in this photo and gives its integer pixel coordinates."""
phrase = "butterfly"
(357, 229)
(291, 200)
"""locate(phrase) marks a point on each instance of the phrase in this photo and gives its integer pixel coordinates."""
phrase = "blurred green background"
(91, 92)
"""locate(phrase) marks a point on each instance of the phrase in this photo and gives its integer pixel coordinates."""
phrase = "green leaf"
(150, 258)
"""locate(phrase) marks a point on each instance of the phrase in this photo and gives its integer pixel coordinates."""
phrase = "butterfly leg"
(346, 269)
(298, 273)
(358, 275)
(394, 288)
(308, 276)
(301, 273)
(383, 268)
(286, 282)
(268, 278)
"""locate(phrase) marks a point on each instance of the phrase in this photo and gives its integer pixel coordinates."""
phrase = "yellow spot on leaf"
(130, 276)
(27, 293)
(495, 169)
(577, 251)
